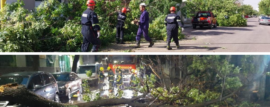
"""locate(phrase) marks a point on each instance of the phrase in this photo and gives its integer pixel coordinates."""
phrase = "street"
(253, 38)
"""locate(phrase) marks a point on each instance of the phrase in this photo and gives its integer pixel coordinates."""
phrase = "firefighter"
(119, 76)
(133, 77)
(120, 26)
(143, 26)
(173, 22)
(101, 77)
(111, 78)
(88, 18)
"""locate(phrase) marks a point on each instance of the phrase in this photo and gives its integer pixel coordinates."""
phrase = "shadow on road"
(212, 33)
(190, 47)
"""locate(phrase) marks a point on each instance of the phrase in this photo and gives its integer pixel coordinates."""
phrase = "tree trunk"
(75, 62)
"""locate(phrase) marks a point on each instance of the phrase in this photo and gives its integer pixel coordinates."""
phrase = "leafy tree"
(264, 7)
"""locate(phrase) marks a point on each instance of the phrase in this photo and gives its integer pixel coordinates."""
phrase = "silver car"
(264, 20)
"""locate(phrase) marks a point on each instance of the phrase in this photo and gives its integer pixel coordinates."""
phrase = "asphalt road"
(253, 38)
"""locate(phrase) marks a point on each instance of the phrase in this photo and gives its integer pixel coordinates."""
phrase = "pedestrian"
(173, 22)
(143, 26)
(89, 17)
(111, 78)
(101, 77)
(119, 76)
(120, 26)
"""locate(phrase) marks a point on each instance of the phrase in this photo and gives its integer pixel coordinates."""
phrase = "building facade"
(47, 63)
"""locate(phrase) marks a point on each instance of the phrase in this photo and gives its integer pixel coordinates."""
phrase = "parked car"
(264, 20)
(259, 18)
(41, 83)
(204, 18)
(69, 84)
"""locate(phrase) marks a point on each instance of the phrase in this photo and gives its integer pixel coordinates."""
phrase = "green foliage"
(87, 96)
(234, 20)
(248, 104)
(89, 73)
(264, 7)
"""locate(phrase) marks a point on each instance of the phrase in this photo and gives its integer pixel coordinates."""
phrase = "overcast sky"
(253, 3)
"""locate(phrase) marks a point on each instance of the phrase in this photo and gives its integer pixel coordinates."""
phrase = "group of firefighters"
(90, 27)
(111, 77)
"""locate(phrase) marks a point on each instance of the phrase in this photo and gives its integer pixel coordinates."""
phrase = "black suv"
(41, 83)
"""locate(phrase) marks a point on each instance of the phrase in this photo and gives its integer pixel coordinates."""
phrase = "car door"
(36, 85)
(50, 87)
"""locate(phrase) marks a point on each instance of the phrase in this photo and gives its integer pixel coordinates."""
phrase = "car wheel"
(56, 98)
(201, 26)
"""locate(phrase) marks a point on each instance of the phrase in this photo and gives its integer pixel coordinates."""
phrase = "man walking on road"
(89, 17)
(143, 26)
(120, 26)
(173, 22)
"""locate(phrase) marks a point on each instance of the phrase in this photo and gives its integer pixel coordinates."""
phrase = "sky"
(253, 3)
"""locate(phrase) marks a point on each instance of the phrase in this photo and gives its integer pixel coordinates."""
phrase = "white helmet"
(142, 4)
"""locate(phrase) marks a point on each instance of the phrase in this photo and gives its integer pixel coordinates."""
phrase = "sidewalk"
(160, 45)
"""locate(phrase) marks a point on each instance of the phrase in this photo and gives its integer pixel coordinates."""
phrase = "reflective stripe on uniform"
(84, 15)
(171, 17)
(178, 20)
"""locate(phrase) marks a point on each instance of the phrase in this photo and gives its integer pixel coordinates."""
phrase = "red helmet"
(91, 3)
(172, 9)
(124, 10)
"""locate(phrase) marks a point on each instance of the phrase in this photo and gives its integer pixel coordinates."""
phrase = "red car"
(204, 18)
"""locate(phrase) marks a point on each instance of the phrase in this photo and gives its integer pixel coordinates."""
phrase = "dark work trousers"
(120, 32)
(88, 38)
(172, 32)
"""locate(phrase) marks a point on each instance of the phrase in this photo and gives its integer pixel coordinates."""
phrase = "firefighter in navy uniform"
(88, 19)
(173, 22)
(120, 26)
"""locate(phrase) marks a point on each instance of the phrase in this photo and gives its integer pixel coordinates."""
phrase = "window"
(46, 79)
(51, 78)
(36, 80)
(72, 77)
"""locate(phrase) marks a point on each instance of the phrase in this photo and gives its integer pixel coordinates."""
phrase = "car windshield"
(203, 14)
(83, 69)
(61, 77)
(265, 18)
(14, 79)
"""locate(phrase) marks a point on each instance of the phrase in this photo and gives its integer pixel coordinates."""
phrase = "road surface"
(253, 38)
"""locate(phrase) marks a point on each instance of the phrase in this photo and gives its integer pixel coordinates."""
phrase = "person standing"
(119, 76)
(88, 18)
(111, 78)
(143, 26)
(173, 22)
(120, 26)
(101, 78)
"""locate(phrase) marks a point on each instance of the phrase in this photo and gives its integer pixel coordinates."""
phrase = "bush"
(234, 20)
